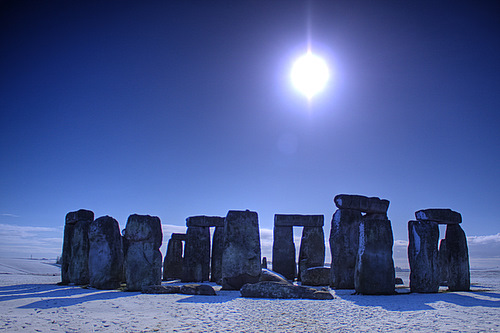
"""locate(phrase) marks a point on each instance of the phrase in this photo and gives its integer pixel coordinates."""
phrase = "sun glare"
(310, 74)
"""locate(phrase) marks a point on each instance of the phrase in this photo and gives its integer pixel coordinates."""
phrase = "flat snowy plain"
(30, 301)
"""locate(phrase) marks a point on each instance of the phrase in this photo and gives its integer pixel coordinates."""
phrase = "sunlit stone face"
(310, 74)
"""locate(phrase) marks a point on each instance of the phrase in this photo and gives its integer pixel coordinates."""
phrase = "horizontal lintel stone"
(361, 203)
(79, 215)
(282, 220)
(205, 221)
(177, 236)
(439, 215)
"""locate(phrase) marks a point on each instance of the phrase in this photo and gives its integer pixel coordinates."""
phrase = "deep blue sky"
(186, 108)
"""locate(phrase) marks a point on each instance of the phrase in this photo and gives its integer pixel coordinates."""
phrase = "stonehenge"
(172, 265)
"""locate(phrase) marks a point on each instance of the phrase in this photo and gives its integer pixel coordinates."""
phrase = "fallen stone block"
(271, 289)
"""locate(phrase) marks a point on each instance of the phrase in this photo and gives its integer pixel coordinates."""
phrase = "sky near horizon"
(177, 109)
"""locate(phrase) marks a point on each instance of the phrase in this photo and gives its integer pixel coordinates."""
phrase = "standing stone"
(458, 258)
(217, 248)
(443, 263)
(344, 239)
(172, 265)
(196, 267)
(374, 273)
(106, 253)
(241, 254)
(264, 263)
(423, 256)
(312, 249)
(75, 254)
(284, 252)
(143, 257)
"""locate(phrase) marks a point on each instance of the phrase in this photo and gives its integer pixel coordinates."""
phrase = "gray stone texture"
(374, 272)
(205, 221)
(443, 263)
(241, 254)
(316, 276)
(458, 258)
(196, 265)
(284, 252)
(143, 258)
(312, 249)
(344, 239)
(439, 215)
(282, 220)
(172, 264)
(75, 254)
(272, 289)
(423, 256)
(105, 254)
(362, 203)
(217, 249)
(268, 275)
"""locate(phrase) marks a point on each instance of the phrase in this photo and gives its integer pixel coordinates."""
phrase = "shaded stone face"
(439, 215)
(443, 263)
(361, 203)
(241, 254)
(423, 256)
(106, 253)
(272, 289)
(217, 249)
(143, 258)
(284, 252)
(344, 240)
(172, 265)
(316, 276)
(196, 265)
(205, 221)
(281, 220)
(374, 272)
(75, 254)
(312, 249)
(457, 254)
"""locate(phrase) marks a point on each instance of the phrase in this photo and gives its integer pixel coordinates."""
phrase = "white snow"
(34, 303)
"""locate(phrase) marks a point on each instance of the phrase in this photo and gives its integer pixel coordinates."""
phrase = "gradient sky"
(186, 108)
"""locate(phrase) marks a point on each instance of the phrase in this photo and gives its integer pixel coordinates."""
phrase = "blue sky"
(187, 108)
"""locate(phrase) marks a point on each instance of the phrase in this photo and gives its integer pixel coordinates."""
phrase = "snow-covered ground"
(31, 301)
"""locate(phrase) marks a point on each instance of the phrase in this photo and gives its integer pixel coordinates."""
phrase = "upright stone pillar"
(241, 254)
(172, 265)
(143, 258)
(217, 249)
(312, 249)
(284, 252)
(106, 253)
(458, 258)
(196, 266)
(75, 254)
(443, 263)
(423, 256)
(344, 240)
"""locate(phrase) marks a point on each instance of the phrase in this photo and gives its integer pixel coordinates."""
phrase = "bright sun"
(310, 74)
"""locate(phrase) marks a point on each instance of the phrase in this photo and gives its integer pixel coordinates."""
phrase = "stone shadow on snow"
(221, 297)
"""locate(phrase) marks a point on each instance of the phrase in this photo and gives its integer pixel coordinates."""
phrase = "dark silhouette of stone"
(316, 276)
(159, 289)
(172, 265)
(197, 289)
(423, 256)
(105, 254)
(264, 263)
(282, 220)
(312, 249)
(443, 263)
(241, 254)
(398, 281)
(374, 272)
(272, 289)
(458, 258)
(217, 249)
(268, 275)
(439, 215)
(344, 239)
(196, 265)
(284, 252)
(143, 258)
(362, 203)
(75, 254)
(205, 221)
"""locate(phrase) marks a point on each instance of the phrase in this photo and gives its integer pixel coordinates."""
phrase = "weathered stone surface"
(105, 253)
(198, 289)
(241, 254)
(143, 258)
(196, 264)
(362, 203)
(458, 258)
(439, 215)
(268, 275)
(282, 220)
(443, 263)
(344, 239)
(374, 272)
(312, 248)
(205, 221)
(271, 289)
(75, 254)
(423, 256)
(159, 289)
(316, 276)
(172, 265)
(217, 249)
(284, 252)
